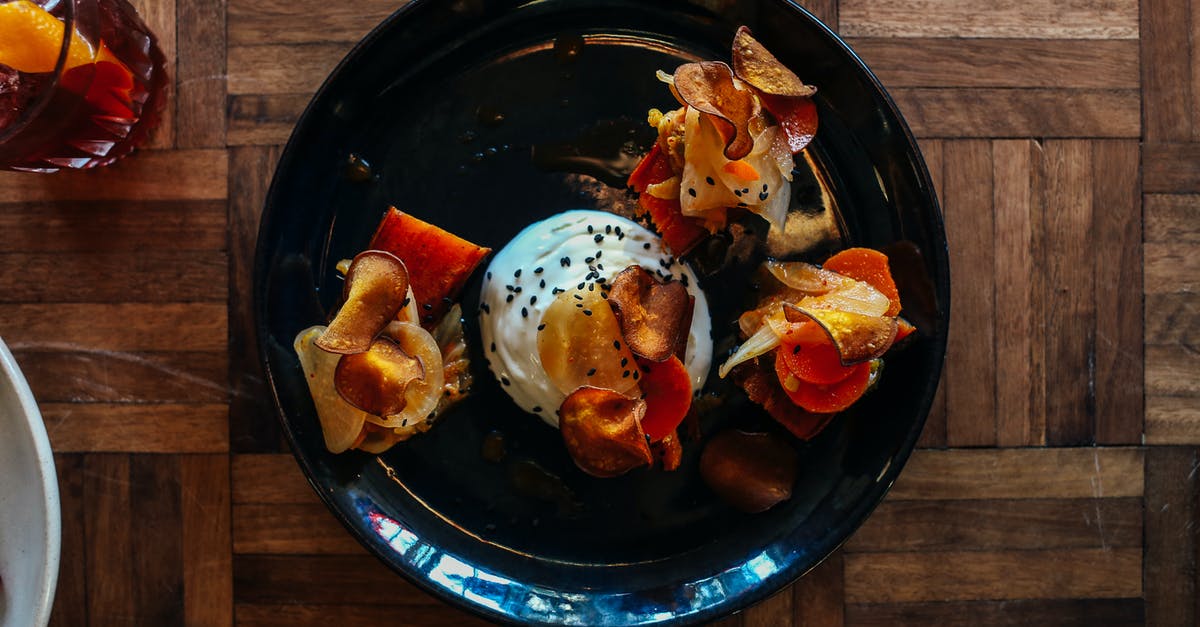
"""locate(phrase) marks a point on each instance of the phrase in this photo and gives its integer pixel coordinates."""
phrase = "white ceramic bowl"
(30, 523)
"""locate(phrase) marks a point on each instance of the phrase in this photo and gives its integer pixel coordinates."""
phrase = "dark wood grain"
(162, 276)
(137, 428)
(1059, 613)
(308, 529)
(207, 540)
(108, 376)
(818, 597)
(299, 615)
(200, 74)
(1039, 112)
(1167, 87)
(322, 580)
(1172, 547)
(70, 596)
(156, 549)
(112, 226)
(111, 583)
(1171, 168)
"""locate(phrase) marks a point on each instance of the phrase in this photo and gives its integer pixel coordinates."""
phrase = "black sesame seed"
(598, 253)
(517, 289)
(517, 274)
(646, 246)
(557, 290)
(541, 326)
(538, 270)
(581, 284)
(620, 236)
(509, 287)
(608, 228)
(617, 344)
(599, 238)
(489, 275)
(565, 262)
(542, 284)
(428, 318)
(533, 299)
(591, 287)
(537, 409)
(742, 204)
(737, 192)
(577, 296)
(504, 380)
(762, 196)
(691, 192)
(404, 304)
(485, 307)
(745, 190)
(524, 312)
(591, 372)
(601, 280)
(590, 229)
(635, 375)
(683, 279)
(625, 374)
(509, 298)
(624, 361)
(493, 347)
(447, 300)
(587, 312)
(589, 260)
(709, 180)
(427, 306)
(796, 349)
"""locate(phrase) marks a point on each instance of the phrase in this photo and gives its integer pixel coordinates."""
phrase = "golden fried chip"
(376, 380)
(655, 317)
(751, 471)
(757, 67)
(376, 288)
(602, 430)
(708, 88)
(857, 337)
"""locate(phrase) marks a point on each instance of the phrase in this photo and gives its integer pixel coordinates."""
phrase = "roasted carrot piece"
(825, 399)
(668, 395)
(764, 389)
(652, 169)
(797, 117)
(679, 233)
(904, 328)
(869, 266)
(438, 262)
(814, 362)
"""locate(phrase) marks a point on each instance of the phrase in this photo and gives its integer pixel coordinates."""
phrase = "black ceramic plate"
(464, 110)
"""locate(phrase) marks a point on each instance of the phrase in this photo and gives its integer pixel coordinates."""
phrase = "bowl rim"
(824, 547)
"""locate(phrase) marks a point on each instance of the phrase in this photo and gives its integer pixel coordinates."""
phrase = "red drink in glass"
(75, 101)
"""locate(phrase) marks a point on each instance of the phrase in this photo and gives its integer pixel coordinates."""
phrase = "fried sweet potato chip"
(751, 471)
(708, 87)
(856, 336)
(757, 67)
(376, 380)
(376, 287)
(603, 433)
(655, 317)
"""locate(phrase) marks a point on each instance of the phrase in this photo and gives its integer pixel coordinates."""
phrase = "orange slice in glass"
(30, 39)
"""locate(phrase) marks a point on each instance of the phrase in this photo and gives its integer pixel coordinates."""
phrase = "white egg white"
(571, 248)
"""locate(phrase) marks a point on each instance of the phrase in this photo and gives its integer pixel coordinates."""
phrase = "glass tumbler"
(81, 83)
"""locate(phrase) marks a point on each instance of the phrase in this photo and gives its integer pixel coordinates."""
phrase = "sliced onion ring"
(376, 380)
(422, 396)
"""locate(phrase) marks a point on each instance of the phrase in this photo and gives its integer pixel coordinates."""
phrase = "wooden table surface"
(1056, 481)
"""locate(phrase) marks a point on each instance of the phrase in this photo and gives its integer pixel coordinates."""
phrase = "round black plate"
(448, 101)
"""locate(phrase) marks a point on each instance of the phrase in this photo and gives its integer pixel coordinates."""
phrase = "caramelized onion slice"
(376, 287)
(751, 471)
(375, 380)
(856, 336)
(757, 67)
(422, 395)
(805, 277)
(654, 316)
(581, 344)
(603, 432)
(708, 87)
(340, 421)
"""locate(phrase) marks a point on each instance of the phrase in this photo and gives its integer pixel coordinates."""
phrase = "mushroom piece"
(751, 471)
(376, 289)
(376, 380)
(655, 317)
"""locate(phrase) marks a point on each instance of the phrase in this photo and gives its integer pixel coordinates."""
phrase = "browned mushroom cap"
(603, 432)
(655, 317)
(708, 88)
(757, 67)
(751, 471)
(376, 286)
(857, 337)
(376, 380)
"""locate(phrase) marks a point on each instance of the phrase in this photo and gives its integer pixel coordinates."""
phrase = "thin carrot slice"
(904, 328)
(869, 266)
(826, 399)
(818, 363)
(741, 169)
(668, 395)
(654, 168)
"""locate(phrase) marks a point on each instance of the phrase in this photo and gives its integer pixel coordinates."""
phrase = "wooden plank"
(776, 610)
(1172, 267)
(150, 175)
(126, 428)
(207, 540)
(1172, 493)
(1171, 371)
(281, 68)
(1171, 168)
(200, 74)
(350, 616)
(1070, 308)
(1019, 294)
(1059, 473)
(70, 596)
(1000, 524)
(109, 542)
(1116, 247)
(160, 17)
(1166, 75)
(1173, 319)
(322, 580)
(970, 383)
(1040, 19)
(115, 326)
(155, 550)
(267, 479)
(1172, 218)
(818, 597)
(1172, 420)
(253, 423)
(824, 10)
(281, 528)
(112, 226)
(1060, 613)
(998, 113)
(112, 377)
(993, 575)
(934, 433)
(282, 22)
(256, 120)
(151, 276)
(1047, 63)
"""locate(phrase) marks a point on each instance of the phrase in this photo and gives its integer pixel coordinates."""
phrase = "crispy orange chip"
(708, 88)
(602, 430)
(655, 317)
(376, 288)
(751, 471)
(376, 380)
(757, 67)
(857, 337)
